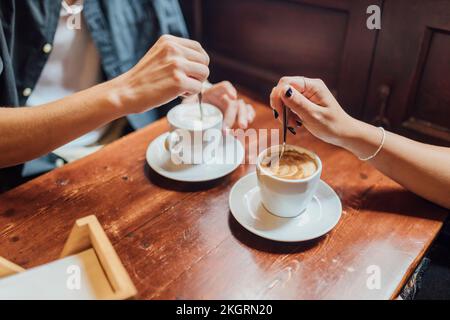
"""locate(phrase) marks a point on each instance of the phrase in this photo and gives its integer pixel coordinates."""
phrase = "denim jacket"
(123, 31)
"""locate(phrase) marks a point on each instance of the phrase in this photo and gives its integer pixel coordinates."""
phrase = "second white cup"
(283, 197)
(194, 139)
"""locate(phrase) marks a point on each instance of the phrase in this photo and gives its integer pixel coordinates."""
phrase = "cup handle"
(170, 141)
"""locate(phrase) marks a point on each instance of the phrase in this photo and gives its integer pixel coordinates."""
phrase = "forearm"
(420, 168)
(173, 66)
(29, 132)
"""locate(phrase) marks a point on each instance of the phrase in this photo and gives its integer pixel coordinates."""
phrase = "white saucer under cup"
(321, 215)
(229, 157)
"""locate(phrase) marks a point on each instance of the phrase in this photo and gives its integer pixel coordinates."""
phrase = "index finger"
(188, 43)
(275, 101)
(193, 55)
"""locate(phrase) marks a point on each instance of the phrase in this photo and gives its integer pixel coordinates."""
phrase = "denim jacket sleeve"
(123, 31)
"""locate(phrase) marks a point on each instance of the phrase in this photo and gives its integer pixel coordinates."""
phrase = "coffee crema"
(294, 165)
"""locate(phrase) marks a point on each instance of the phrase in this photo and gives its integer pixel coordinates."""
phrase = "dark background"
(397, 77)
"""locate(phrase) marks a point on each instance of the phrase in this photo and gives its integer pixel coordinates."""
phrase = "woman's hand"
(172, 67)
(426, 173)
(224, 96)
(313, 105)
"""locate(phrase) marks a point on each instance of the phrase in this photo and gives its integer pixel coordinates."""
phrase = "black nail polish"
(292, 130)
(299, 123)
(275, 114)
(289, 93)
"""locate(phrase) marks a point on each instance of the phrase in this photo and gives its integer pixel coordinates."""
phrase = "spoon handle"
(200, 98)
(285, 128)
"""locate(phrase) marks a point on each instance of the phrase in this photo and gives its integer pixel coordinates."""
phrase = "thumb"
(297, 102)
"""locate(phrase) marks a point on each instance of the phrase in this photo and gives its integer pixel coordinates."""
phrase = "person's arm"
(172, 67)
(421, 168)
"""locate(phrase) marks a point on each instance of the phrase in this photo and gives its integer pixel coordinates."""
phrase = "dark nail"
(292, 130)
(275, 114)
(299, 123)
(289, 93)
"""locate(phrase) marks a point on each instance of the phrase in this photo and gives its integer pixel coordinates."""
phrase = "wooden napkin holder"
(106, 276)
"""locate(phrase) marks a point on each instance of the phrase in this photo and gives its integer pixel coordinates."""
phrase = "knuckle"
(285, 80)
(231, 87)
(317, 116)
(207, 59)
(196, 44)
(272, 94)
(223, 97)
(327, 117)
(164, 38)
(301, 81)
(198, 86)
(205, 75)
(227, 84)
(175, 64)
(319, 82)
(169, 48)
(178, 79)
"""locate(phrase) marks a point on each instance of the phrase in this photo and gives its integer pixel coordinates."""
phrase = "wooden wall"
(255, 42)
(398, 77)
(412, 61)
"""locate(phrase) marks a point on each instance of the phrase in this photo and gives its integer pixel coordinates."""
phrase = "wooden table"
(179, 241)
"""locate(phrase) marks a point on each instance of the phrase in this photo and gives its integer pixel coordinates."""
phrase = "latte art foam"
(293, 165)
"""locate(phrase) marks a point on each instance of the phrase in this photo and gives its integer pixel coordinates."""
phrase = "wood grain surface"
(180, 241)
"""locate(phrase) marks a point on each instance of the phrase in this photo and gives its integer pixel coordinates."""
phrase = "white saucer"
(158, 159)
(320, 217)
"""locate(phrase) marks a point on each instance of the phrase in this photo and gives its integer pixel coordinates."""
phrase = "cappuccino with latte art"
(294, 164)
(287, 185)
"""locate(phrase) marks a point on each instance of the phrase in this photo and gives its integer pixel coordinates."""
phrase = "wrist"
(362, 139)
(121, 96)
(350, 132)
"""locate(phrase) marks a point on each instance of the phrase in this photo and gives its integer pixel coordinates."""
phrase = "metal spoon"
(200, 97)
(285, 128)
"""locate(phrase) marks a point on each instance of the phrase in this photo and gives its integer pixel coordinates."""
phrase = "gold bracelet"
(379, 148)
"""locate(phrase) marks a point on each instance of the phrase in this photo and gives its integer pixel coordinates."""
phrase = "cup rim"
(193, 129)
(311, 177)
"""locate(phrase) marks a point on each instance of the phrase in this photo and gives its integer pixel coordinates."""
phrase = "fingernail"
(299, 123)
(292, 130)
(275, 114)
(289, 93)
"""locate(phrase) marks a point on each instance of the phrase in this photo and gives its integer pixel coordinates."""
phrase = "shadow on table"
(256, 242)
(395, 201)
(179, 186)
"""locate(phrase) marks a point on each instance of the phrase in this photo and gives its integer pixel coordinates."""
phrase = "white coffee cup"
(194, 139)
(284, 197)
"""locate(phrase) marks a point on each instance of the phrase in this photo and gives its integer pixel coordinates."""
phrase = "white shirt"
(73, 65)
